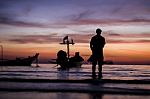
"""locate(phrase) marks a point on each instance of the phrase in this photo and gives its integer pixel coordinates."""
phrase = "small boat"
(65, 63)
(71, 64)
(20, 61)
(63, 58)
(75, 64)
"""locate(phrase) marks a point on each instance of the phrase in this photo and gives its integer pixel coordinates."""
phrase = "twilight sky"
(30, 26)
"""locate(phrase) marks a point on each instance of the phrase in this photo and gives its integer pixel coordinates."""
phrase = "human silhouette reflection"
(97, 44)
(96, 96)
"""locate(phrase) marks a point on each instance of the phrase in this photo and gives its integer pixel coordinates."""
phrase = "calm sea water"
(49, 71)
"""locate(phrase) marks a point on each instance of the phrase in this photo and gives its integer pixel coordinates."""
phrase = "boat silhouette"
(20, 61)
(63, 57)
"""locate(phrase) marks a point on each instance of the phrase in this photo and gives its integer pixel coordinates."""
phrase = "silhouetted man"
(97, 44)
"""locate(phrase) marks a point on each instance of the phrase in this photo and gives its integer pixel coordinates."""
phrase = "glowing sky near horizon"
(29, 26)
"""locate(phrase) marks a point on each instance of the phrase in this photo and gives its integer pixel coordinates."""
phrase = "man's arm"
(103, 42)
(91, 44)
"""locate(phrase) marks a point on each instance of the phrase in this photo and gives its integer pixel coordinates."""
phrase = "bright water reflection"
(49, 71)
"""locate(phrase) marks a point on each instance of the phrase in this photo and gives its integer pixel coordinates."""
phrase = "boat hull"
(75, 64)
(20, 62)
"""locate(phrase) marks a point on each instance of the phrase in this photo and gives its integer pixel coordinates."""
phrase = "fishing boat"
(63, 58)
(75, 64)
(20, 61)
(71, 64)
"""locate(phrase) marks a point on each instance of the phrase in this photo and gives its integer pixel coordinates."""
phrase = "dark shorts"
(93, 58)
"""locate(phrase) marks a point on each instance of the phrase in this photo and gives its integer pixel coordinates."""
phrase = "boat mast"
(67, 42)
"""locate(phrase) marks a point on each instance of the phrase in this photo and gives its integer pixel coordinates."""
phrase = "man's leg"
(100, 63)
(94, 69)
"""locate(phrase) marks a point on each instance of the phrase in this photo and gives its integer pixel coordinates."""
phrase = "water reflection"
(62, 74)
(96, 96)
(79, 96)
(49, 71)
(61, 95)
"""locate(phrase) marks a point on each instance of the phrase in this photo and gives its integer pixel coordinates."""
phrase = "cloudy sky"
(30, 26)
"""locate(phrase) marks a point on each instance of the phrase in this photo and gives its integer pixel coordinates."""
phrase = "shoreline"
(90, 81)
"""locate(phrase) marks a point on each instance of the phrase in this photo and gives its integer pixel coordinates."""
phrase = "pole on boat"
(68, 42)
(1, 54)
(68, 49)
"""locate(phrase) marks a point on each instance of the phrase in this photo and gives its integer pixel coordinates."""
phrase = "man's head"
(98, 31)
(76, 53)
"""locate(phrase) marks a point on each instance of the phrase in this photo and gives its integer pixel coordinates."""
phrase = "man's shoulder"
(103, 37)
(95, 36)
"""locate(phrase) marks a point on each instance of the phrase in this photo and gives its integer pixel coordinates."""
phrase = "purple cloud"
(91, 12)
(11, 20)
(78, 38)
(85, 21)
(115, 41)
(51, 38)
(127, 35)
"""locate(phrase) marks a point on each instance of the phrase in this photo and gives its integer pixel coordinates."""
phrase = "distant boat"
(20, 61)
(108, 62)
